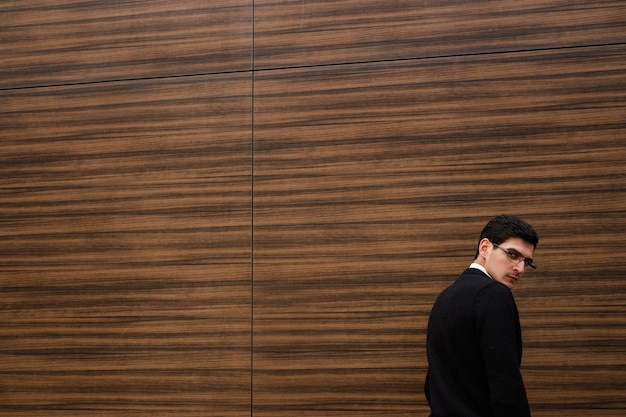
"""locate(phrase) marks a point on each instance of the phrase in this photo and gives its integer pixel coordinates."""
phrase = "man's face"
(498, 264)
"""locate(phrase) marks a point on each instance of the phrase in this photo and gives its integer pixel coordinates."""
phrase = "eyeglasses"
(516, 257)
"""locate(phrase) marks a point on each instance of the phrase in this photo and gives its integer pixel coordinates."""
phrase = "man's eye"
(515, 256)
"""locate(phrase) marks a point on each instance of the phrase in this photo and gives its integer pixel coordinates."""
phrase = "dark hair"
(506, 226)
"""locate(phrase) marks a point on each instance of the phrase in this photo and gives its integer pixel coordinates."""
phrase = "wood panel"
(371, 184)
(46, 42)
(295, 33)
(125, 266)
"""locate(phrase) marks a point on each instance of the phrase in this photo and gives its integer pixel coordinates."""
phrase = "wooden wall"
(238, 208)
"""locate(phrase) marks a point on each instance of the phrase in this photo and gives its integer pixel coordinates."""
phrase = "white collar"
(480, 268)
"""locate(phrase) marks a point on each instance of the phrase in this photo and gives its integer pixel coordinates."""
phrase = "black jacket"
(474, 349)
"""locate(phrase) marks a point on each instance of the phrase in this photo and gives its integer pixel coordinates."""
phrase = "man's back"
(474, 351)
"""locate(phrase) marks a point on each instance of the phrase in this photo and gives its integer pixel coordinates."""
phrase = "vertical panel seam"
(252, 126)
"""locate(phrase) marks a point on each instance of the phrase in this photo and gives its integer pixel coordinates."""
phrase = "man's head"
(505, 248)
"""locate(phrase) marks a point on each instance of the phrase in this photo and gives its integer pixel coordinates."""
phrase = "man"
(474, 342)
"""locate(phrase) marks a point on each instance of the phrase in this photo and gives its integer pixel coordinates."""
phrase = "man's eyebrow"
(515, 251)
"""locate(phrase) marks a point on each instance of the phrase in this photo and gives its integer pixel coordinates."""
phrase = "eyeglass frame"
(510, 255)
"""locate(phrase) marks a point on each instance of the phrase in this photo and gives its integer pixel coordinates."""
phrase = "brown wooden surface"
(46, 42)
(294, 33)
(371, 185)
(182, 236)
(125, 253)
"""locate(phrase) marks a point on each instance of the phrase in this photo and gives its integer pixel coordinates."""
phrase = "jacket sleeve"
(498, 327)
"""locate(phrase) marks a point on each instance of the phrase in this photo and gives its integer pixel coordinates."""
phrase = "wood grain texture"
(46, 42)
(165, 252)
(292, 33)
(371, 185)
(125, 253)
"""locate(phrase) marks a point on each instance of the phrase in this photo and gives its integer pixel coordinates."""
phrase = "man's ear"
(484, 247)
